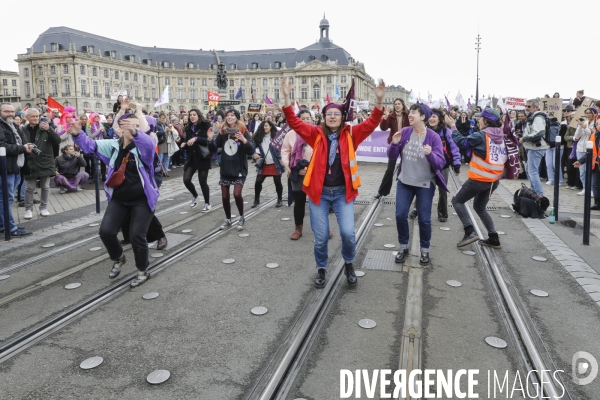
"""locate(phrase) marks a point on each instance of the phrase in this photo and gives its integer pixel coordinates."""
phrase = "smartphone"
(582, 119)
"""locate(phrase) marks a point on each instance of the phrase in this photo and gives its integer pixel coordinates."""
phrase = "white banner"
(116, 93)
(164, 98)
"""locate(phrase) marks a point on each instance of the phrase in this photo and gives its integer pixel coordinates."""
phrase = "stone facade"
(10, 88)
(395, 92)
(85, 76)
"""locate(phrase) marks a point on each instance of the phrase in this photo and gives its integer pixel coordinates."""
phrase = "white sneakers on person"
(44, 213)
(28, 214)
(581, 193)
(194, 202)
(206, 208)
(226, 225)
(549, 183)
(62, 190)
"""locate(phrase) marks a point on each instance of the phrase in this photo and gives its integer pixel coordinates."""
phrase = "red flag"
(327, 99)
(55, 104)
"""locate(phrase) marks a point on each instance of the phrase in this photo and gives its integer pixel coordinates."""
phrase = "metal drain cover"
(389, 245)
(244, 235)
(158, 376)
(272, 265)
(539, 293)
(285, 219)
(183, 212)
(367, 323)
(378, 224)
(496, 342)
(444, 228)
(359, 273)
(92, 362)
(505, 216)
(150, 296)
(259, 310)
(469, 252)
(501, 233)
(156, 255)
(94, 224)
(48, 245)
(72, 285)
(538, 258)
(186, 231)
(95, 248)
(453, 283)
(228, 261)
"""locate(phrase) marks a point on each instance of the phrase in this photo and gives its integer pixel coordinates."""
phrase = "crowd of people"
(315, 150)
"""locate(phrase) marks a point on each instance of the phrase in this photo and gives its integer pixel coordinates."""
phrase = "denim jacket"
(276, 158)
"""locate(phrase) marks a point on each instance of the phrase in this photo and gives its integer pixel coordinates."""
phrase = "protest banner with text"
(552, 107)
(580, 112)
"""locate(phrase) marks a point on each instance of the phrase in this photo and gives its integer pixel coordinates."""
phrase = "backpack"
(552, 129)
(523, 196)
(162, 137)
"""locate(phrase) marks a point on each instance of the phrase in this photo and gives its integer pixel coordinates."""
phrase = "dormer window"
(191, 65)
(233, 66)
(311, 58)
(90, 49)
(254, 65)
(165, 64)
(324, 58)
(53, 46)
(277, 64)
(147, 61)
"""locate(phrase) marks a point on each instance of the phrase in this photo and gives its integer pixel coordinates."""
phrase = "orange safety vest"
(492, 168)
(595, 151)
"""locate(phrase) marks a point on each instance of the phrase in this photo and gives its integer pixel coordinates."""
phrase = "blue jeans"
(319, 221)
(20, 179)
(164, 159)
(581, 154)
(534, 158)
(404, 196)
(550, 157)
(11, 181)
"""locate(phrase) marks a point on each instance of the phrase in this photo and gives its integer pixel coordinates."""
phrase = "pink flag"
(268, 100)
(327, 99)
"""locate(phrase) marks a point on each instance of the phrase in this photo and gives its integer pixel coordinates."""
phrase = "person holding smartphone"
(582, 135)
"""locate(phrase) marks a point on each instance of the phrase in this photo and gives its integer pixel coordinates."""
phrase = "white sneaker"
(206, 207)
(549, 183)
(44, 213)
(28, 214)
(79, 189)
(581, 193)
(194, 202)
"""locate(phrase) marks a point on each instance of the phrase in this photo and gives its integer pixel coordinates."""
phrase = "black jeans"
(259, 182)
(480, 192)
(155, 230)
(188, 174)
(141, 215)
(442, 207)
(388, 178)
(299, 207)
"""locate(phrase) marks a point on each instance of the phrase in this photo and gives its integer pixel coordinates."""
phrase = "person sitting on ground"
(68, 177)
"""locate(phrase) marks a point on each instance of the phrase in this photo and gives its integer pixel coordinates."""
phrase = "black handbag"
(261, 161)
(204, 151)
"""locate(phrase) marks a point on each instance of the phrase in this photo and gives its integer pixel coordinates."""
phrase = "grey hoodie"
(477, 140)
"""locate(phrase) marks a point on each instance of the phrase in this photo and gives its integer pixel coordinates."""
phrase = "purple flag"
(448, 106)
(469, 104)
(348, 110)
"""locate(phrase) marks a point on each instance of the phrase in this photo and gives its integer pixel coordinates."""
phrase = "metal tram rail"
(54, 324)
(279, 374)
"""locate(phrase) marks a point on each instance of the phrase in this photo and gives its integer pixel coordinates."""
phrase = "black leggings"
(299, 207)
(237, 195)
(188, 174)
(258, 186)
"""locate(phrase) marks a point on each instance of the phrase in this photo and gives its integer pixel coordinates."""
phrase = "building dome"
(324, 23)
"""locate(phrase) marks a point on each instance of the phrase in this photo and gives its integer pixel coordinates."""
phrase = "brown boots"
(297, 233)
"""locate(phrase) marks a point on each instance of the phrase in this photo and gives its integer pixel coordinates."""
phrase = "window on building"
(67, 87)
(343, 78)
(205, 95)
(86, 105)
(343, 91)
(14, 92)
(316, 92)
(153, 93)
(242, 109)
(254, 65)
(83, 87)
(65, 69)
(292, 92)
(53, 87)
(304, 94)
(126, 76)
(106, 73)
(14, 82)
(232, 66)
(165, 64)
(276, 94)
(231, 94)
(137, 92)
(265, 82)
(27, 90)
(180, 94)
(193, 94)
(204, 82)
(135, 77)
(116, 74)
(304, 80)
(243, 93)
(145, 92)
(95, 88)
(180, 81)
(192, 82)
(152, 80)
(276, 82)
(82, 70)
(26, 72)
(94, 71)
(109, 106)
(53, 46)
(167, 81)
(143, 78)
(242, 82)
(40, 71)
(191, 65)
(53, 70)
(5, 92)
(215, 83)
(98, 106)
(291, 80)
(106, 89)
(329, 79)
(42, 88)
(277, 64)
(253, 81)
(4, 82)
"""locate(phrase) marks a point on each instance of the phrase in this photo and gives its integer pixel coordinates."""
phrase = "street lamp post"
(478, 44)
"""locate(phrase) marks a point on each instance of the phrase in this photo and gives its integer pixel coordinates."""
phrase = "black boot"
(596, 206)
(320, 279)
(492, 241)
(470, 236)
(424, 259)
(401, 256)
(350, 275)
(279, 204)
(256, 202)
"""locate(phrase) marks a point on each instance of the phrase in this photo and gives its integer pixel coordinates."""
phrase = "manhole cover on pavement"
(539, 293)
(48, 245)
(150, 296)
(72, 286)
(505, 216)
(501, 233)
(94, 224)
(158, 376)
(272, 265)
(285, 219)
(92, 362)
(259, 310)
(183, 212)
(453, 283)
(228, 261)
(233, 215)
(538, 258)
(244, 235)
(359, 273)
(496, 342)
(95, 248)
(389, 245)
(367, 323)
(186, 231)
(378, 224)
(156, 255)
(169, 199)
(469, 252)
(444, 228)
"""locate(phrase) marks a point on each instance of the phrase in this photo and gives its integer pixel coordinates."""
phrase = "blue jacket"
(276, 158)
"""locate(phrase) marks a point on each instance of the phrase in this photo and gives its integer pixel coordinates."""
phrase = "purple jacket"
(108, 151)
(436, 158)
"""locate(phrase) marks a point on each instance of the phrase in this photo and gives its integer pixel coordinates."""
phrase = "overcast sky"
(528, 48)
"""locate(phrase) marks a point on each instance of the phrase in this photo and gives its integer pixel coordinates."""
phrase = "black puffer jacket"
(13, 149)
(42, 164)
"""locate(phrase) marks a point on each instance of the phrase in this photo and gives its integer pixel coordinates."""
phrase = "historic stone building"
(395, 92)
(81, 69)
(9, 88)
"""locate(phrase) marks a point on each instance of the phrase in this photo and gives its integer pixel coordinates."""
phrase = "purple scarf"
(297, 152)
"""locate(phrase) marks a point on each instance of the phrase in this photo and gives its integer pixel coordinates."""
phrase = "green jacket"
(42, 164)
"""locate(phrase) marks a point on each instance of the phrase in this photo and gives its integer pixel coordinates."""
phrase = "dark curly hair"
(260, 132)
